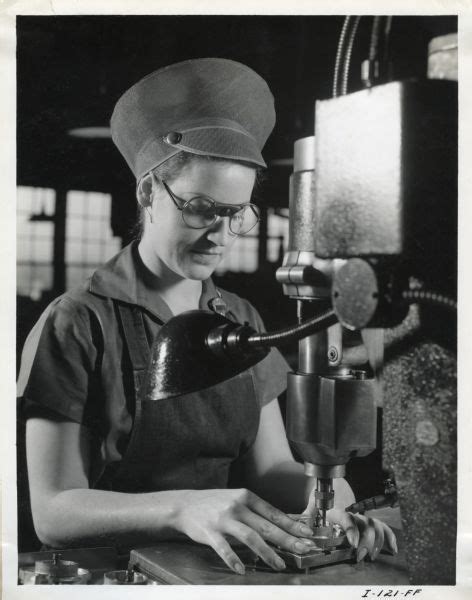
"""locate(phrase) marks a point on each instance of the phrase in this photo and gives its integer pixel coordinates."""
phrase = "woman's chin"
(198, 271)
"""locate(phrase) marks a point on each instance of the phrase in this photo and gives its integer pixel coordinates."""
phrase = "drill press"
(331, 403)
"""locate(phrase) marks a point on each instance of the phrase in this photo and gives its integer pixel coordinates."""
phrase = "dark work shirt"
(72, 361)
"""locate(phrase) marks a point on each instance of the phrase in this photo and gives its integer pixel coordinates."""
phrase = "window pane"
(74, 226)
(34, 240)
(74, 251)
(89, 240)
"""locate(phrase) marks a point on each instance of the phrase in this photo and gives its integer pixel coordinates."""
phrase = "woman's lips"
(208, 252)
(206, 256)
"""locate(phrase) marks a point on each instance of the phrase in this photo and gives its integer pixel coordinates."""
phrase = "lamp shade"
(182, 360)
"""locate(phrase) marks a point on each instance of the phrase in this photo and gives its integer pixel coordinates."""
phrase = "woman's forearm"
(84, 516)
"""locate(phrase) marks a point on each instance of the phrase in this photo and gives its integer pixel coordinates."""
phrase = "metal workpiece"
(331, 419)
(317, 557)
(368, 295)
(54, 572)
(386, 171)
(331, 546)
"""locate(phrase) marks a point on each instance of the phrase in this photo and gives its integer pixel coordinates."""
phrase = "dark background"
(72, 70)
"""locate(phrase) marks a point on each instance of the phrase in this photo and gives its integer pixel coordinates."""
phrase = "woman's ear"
(144, 191)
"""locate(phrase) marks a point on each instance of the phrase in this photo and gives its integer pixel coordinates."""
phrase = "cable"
(429, 297)
(295, 332)
(339, 55)
(373, 502)
(374, 38)
(387, 33)
(348, 56)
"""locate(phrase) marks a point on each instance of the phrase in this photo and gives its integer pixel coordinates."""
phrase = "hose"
(374, 38)
(347, 58)
(429, 297)
(339, 55)
(373, 503)
(295, 332)
(387, 32)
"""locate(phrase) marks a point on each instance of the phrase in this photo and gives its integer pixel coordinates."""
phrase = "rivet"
(332, 354)
(173, 137)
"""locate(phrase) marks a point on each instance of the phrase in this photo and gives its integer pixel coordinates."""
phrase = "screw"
(333, 354)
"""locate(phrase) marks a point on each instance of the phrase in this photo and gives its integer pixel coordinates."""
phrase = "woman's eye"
(201, 206)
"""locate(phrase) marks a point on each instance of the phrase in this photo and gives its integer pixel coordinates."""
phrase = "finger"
(390, 539)
(277, 517)
(272, 533)
(224, 550)
(367, 536)
(254, 541)
(379, 539)
(348, 524)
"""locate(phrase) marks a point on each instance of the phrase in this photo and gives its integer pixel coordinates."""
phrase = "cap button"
(173, 137)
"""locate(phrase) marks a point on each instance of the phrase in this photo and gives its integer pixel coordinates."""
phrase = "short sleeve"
(57, 363)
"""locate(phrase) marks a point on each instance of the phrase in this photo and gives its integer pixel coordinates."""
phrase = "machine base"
(317, 558)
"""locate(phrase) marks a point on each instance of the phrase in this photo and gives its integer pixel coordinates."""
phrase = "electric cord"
(348, 56)
(429, 297)
(295, 332)
(339, 55)
(374, 38)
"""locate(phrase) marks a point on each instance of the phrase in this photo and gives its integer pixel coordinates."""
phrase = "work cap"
(210, 106)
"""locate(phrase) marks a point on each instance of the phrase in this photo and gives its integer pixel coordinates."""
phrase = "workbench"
(186, 563)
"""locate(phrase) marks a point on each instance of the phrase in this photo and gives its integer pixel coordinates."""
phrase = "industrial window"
(34, 240)
(89, 238)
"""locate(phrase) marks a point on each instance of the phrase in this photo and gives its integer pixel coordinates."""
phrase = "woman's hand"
(211, 516)
(367, 534)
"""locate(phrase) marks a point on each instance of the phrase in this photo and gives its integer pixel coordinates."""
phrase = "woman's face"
(195, 253)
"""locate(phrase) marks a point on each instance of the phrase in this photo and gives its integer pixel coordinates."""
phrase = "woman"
(105, 467)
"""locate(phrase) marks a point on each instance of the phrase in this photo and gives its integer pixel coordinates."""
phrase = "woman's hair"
(171, 169)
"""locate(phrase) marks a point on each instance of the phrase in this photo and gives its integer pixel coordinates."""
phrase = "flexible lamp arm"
(237, 340)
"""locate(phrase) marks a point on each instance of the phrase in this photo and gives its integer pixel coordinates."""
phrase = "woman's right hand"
(210, 516)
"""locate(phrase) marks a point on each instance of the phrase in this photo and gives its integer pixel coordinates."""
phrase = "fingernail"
(394, 547)
(239, 568)
(361, 553)
(279, 563)
(305, 530)
(352, 538)
(374, 553)
(309, 543)
(301, 547)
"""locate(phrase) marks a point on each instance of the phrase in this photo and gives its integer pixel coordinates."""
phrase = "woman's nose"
(219, 233)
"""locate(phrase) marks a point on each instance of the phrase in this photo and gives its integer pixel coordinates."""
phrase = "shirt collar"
(126, 278)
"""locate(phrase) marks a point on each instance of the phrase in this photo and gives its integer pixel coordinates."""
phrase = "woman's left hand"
(367, 534)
